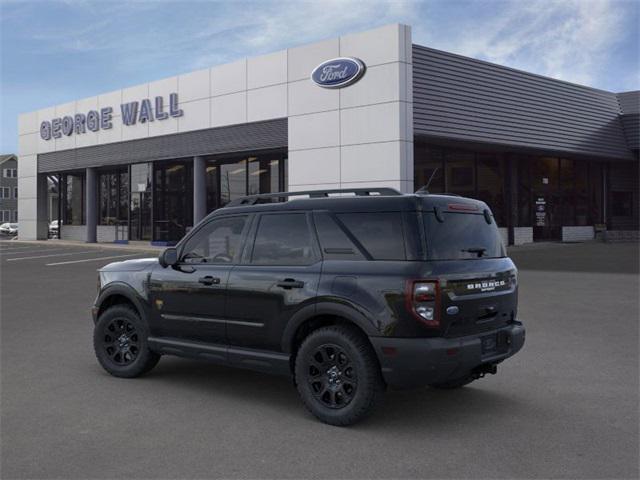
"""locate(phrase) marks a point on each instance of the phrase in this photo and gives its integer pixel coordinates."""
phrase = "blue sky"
(57, 51)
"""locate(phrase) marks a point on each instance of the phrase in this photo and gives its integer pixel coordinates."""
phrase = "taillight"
(423, 301)
(513, 277)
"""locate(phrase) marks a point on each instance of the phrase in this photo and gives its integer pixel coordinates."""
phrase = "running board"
(260, 360)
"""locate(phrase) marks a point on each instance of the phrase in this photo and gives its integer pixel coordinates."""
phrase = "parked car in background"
(54, 229)
(9, 229)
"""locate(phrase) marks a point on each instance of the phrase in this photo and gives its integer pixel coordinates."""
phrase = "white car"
(54, 229)
(9, 228)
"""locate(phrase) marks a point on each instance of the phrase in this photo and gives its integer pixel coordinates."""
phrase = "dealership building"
(553, 160)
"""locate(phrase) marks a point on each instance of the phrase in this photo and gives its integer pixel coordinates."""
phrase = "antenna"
(425, 190)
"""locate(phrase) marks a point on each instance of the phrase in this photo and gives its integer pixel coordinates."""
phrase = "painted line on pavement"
(42, 250)
(52, 255)
(94, 259)
(20, 249)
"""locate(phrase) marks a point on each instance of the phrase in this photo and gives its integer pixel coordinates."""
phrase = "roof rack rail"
(359, 192)
(424, 191)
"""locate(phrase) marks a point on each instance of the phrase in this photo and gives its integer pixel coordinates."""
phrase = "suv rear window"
(381, 234)
(462, 236)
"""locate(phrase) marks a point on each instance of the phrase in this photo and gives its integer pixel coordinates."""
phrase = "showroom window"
(462, 172)
(113, 195)
(172, 199)
(73, 191)
(235, 177)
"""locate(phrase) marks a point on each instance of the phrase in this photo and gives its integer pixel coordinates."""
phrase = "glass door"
(546, 199)
(140, 214)
(140, 220)
(173, 200)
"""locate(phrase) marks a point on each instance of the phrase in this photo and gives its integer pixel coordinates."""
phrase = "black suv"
(348, 294)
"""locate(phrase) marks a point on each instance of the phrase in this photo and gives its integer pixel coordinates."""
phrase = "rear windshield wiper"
(478, 250)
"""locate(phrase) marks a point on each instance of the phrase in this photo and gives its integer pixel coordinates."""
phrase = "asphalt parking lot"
(565, 407)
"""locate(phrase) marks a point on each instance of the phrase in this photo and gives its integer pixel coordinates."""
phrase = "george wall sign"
(338, 72)
(94, 120)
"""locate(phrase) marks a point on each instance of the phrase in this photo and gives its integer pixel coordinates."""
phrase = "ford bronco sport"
(348, 294)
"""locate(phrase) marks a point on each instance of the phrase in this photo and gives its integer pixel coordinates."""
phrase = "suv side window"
(381, 234)
(283, 239)
(217, 242)
(336, 245)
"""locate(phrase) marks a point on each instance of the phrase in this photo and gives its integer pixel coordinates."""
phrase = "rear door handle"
(288, 283)
(209, 280)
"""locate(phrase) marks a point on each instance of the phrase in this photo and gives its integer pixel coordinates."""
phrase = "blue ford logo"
(338, 73)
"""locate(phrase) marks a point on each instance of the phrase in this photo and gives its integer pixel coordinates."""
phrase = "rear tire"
(453, 384)
(120, 343)
(338, 376)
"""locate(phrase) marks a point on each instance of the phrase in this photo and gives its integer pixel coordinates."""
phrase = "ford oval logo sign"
(338, 73)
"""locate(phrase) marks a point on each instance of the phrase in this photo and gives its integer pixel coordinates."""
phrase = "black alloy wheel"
(337, 374)
(332, 376)
(120, 342)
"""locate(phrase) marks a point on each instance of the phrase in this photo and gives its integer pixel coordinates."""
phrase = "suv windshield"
(462, 236)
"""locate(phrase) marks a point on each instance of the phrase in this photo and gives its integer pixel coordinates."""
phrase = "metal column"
(91, 196)
(199, 189)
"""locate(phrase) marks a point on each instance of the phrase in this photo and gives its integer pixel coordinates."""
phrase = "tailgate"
(473, 304)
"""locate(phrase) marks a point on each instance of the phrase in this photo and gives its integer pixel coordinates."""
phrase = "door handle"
(289, 283)
(209, 280)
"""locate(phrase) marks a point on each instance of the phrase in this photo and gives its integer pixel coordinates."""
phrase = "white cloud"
(569, 40)
(268, 26)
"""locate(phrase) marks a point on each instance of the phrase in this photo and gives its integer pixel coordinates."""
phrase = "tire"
(125, 356)
(338, 376)
(453, 384)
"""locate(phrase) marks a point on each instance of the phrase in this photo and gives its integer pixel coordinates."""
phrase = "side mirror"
(168, 257)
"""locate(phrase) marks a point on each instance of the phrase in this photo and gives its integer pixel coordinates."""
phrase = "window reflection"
(232, 178)
(73, 199)
(548, 192)
(173, 200)
(113, 197)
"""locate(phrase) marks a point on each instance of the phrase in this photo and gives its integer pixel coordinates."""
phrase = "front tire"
(120, 343)
(338, 376)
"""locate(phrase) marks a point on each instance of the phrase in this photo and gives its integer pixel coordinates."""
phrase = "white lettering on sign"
(331, 72)
(487, 285)
(94, 120)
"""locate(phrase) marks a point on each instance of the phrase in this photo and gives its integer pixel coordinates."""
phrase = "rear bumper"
(416, 362)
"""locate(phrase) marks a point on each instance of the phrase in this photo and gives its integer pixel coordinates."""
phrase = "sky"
(55, 51)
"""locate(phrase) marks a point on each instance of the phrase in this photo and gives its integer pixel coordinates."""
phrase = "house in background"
(9, 188)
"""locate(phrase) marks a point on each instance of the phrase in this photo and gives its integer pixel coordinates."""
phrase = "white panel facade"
(267, 103)
(28, 123)
(375, 111)
(315, 166)
(315, 130)
(306, 97)
(229, 78)
(196, 114)
(303, 59)
(194, 85)
(229, 109)
(330, 131)
(267, 70)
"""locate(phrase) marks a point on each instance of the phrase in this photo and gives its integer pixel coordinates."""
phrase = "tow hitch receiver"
(485, 369)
